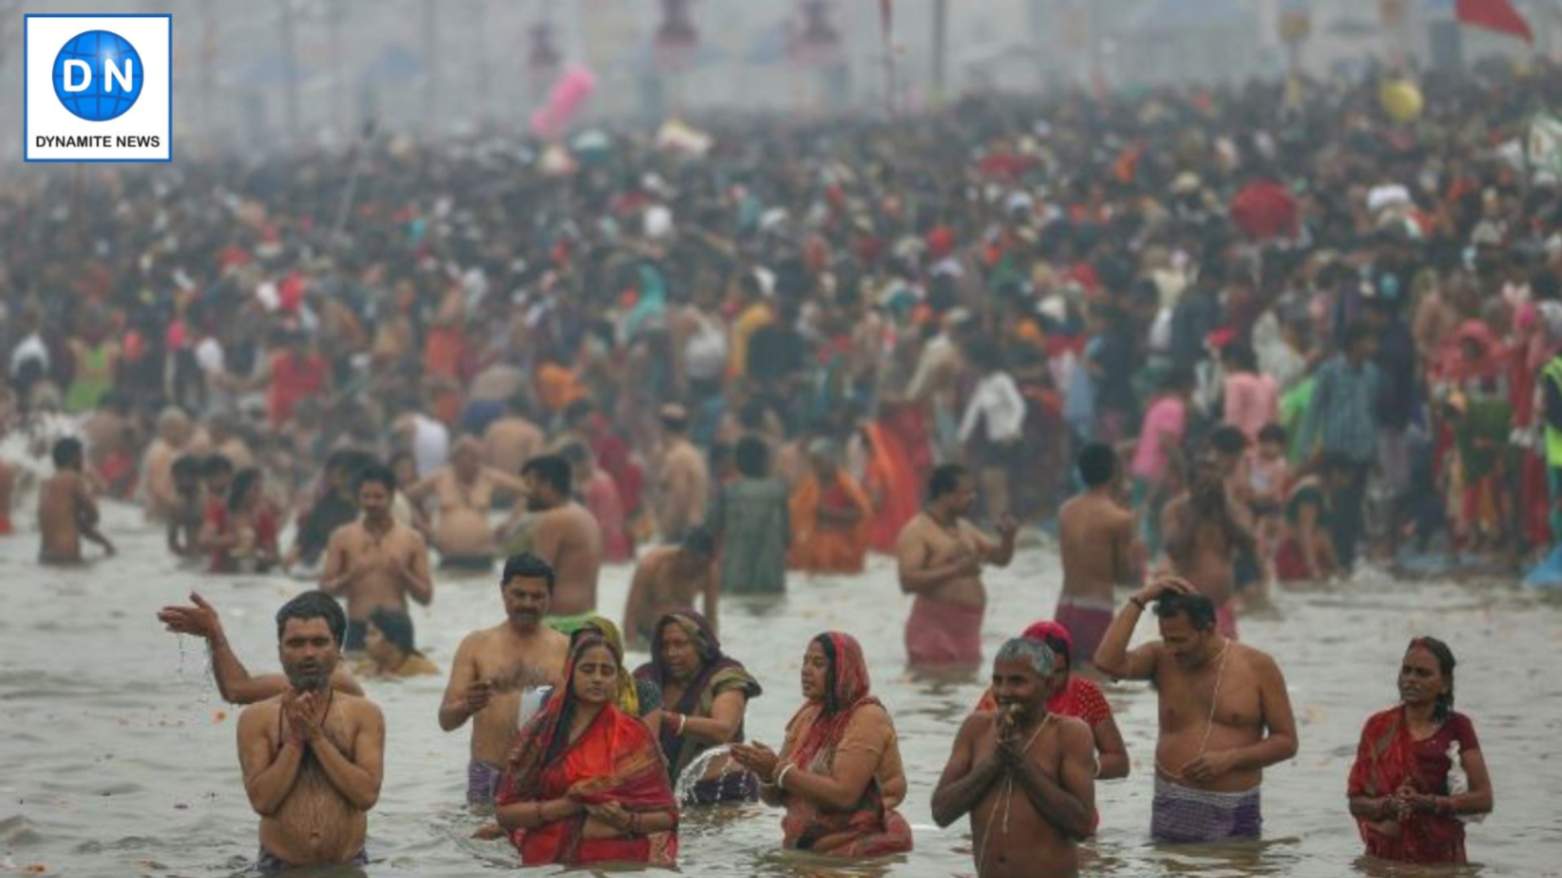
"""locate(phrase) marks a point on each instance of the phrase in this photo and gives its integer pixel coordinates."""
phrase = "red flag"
(1497, 15)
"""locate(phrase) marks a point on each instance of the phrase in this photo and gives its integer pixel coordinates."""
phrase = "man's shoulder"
(260, 712)
(358, 707)
(1254, 657)
(1074, 732)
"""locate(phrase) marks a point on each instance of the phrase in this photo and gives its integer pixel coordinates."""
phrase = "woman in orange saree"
(830, 516)
(839, 773)
(894, 479)
(586, 782)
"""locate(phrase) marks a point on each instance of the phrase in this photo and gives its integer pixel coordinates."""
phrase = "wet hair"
(1060, 649)
(341, 458)
(552, 469)
(575, 453)
(243, 481)
(396, 626)
(1097, 464)
(527, 566)
(753, 457)
(378, 472)
(1445, 664)
(699, 541)
(1038, 656)
(216, 465)
(1228, 439)
(186, 466)
(67, 452)
(314, 605)
(1199, 610)
(1273, 433)
(945, 479)
(673, 423)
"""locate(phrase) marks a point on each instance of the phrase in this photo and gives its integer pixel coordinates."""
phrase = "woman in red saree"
(1400, 790)
(839, 773)
(586, 782)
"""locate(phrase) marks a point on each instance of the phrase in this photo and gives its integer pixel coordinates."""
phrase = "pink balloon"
(564, 102)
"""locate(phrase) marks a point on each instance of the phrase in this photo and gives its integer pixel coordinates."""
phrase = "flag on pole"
(1496, 15)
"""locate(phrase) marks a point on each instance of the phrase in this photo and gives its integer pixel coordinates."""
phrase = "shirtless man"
(1203, 534)
(67, 513)
(683, 480)
(375, 561)
(313, 757)
(464, 490)
(175, 436)
(1099, 549)
(234, 681)
(513, 439)
(1026, 777)
(1224, 715)
(564, 534)
(494, 668)
(940, 557)
(668, 578)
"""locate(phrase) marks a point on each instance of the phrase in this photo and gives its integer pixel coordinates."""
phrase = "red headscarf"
(1046, 630)
(614, 759)
(847, 690)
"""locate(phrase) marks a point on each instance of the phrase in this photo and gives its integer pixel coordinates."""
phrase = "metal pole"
(334, 34)
(431, 66)
(289, 73)
(208, 66)
(481, 21)
(940, 48)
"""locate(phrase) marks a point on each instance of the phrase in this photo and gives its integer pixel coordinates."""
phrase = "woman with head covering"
(585, 782)
(636, 697)
(839, 773)
(1077, 697)
(1403, 788)
(389, 649)
(704, 696)
(830, 514)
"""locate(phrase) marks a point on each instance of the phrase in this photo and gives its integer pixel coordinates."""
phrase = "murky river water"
(118, 759)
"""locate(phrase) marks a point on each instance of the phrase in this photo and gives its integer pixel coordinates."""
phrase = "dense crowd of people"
(1215, 338)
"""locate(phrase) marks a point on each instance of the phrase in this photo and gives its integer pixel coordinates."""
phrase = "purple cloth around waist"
(482, 779)
(1182, 815)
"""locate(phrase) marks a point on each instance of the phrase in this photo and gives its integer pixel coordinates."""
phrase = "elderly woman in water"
(839, 773)
(1403, 788)
(704, 696)
(585, 782)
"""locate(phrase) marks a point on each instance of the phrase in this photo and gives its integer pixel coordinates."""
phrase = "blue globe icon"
(98, 75)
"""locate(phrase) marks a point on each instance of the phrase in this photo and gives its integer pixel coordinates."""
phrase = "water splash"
(695, 772)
